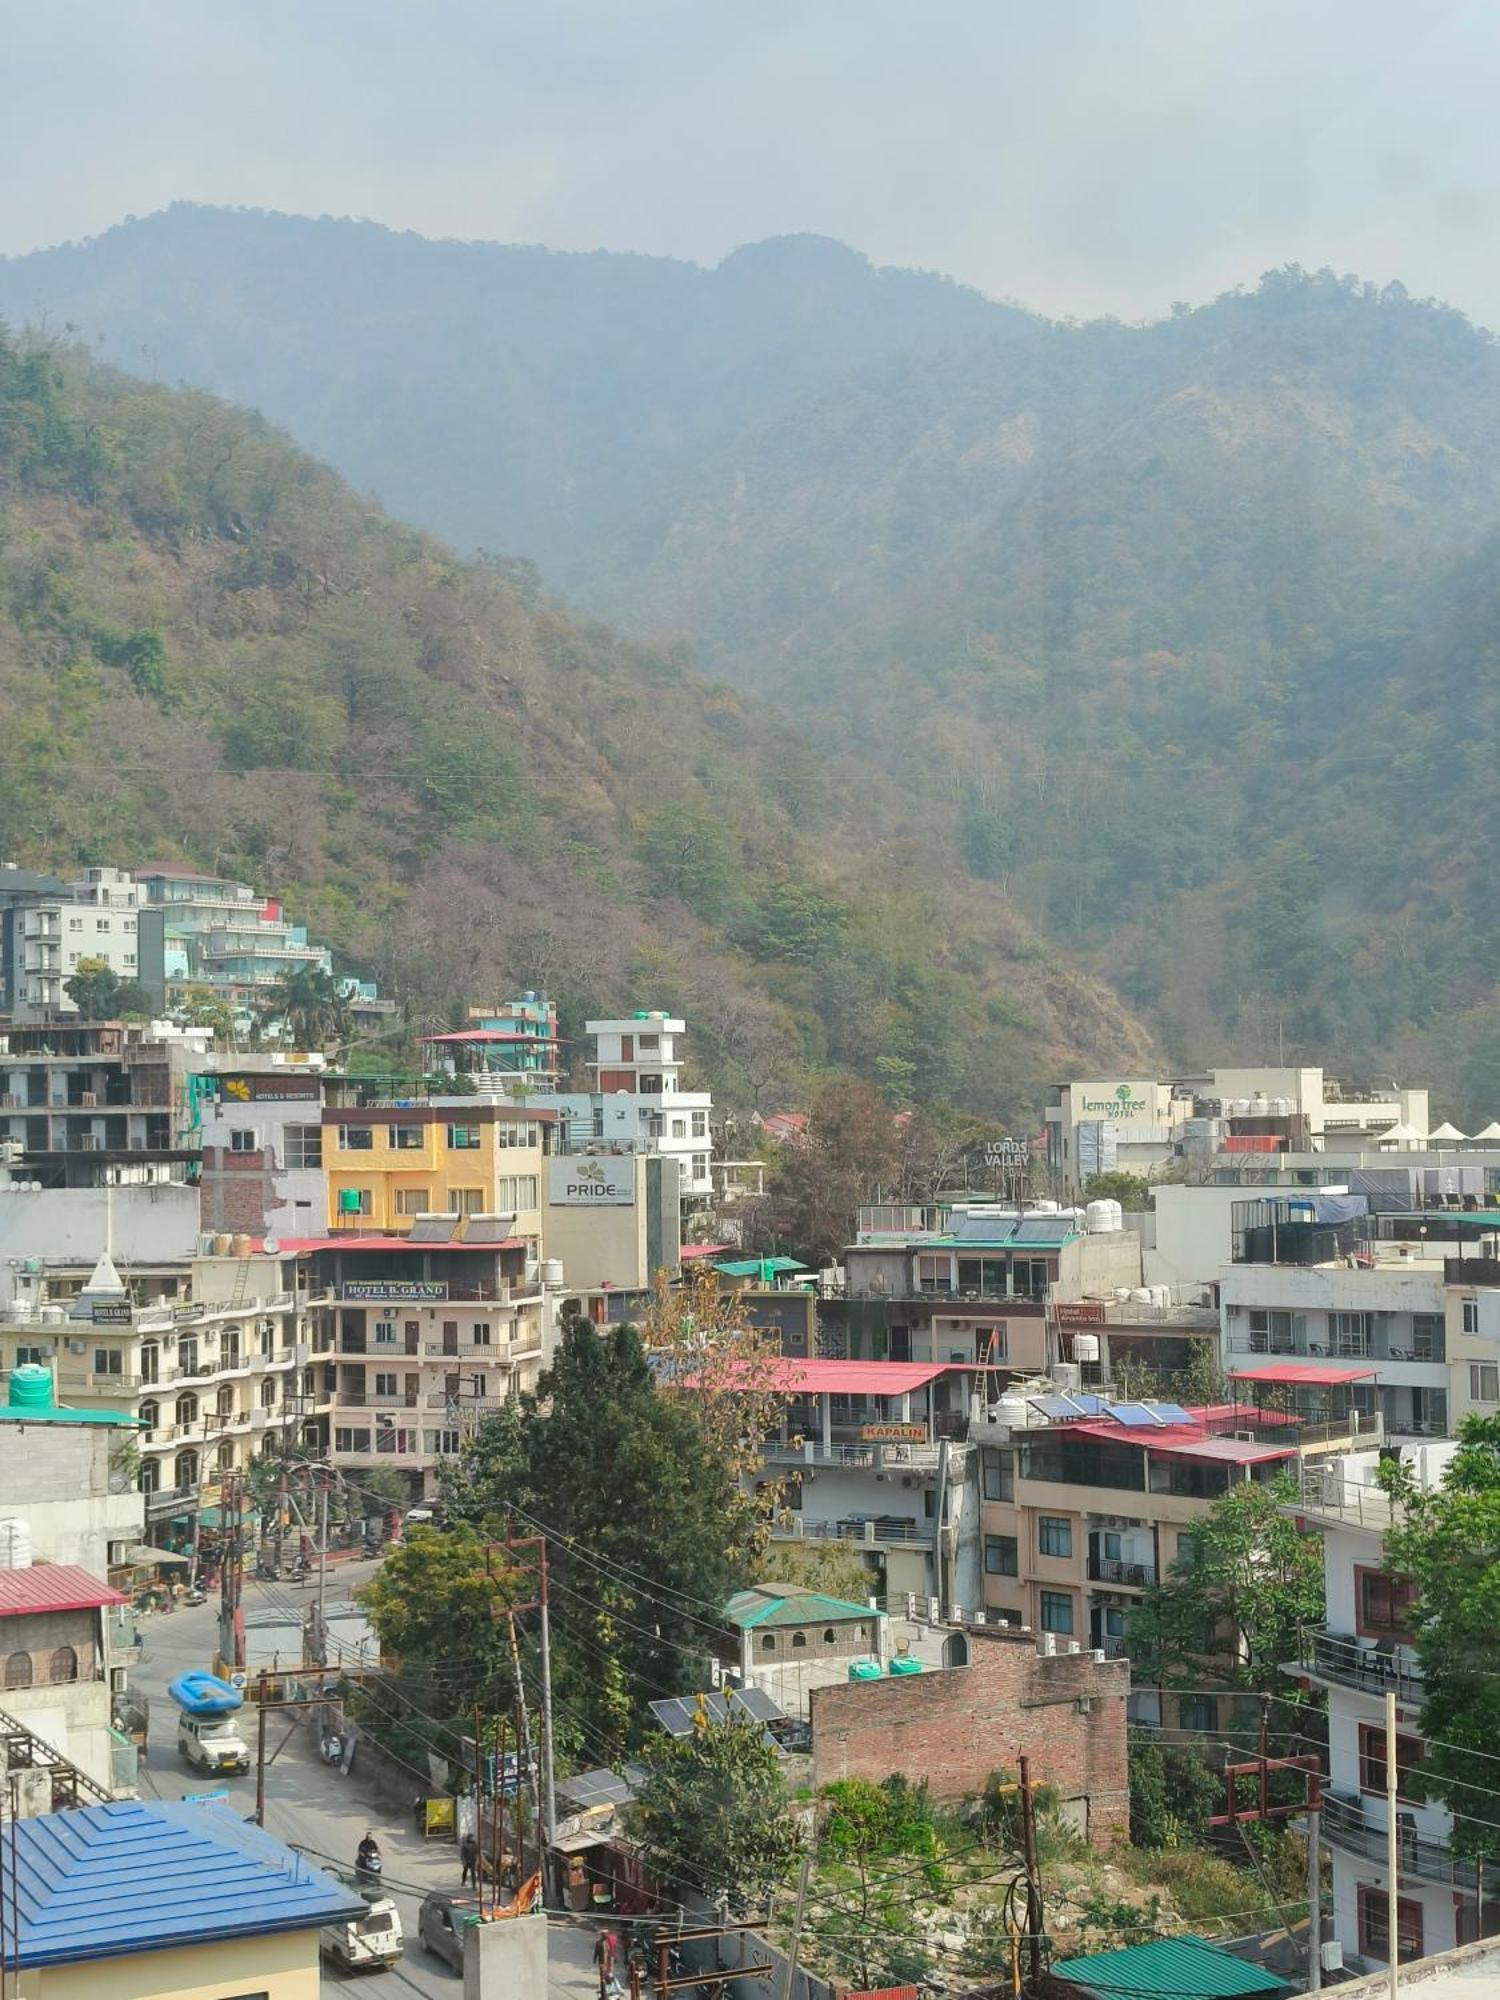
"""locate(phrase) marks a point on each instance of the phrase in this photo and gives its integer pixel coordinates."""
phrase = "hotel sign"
(889, 1433)
(393, 1291)
(591, 1181)
(1120, 1100)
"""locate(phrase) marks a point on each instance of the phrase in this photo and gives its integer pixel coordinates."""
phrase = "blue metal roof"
(145, 1875)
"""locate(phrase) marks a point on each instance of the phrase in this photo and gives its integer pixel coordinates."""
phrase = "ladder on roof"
(21, 1751)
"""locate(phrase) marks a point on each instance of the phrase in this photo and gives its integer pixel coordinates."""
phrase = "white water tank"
(1068, 1376)
(1161, 1296)
(15, 1543)
(552, 1271)
(1045, 1207)
(1140, 1295)
(1012, 1411)
(52, 1315)
(1085, 1347)
(1104, 1216)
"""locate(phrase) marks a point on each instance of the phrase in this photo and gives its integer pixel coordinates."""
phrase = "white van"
(369, 1942)
(212, 1743)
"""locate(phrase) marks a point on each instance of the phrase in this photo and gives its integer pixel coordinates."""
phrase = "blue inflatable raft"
(204, 1694)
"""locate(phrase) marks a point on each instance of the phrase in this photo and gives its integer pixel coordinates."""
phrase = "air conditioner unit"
(1331, 1953)
(78, 1347)
(88, 1097)
(118, 1680)
(1245, 1437)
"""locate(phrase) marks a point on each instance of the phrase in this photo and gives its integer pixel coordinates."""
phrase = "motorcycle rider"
(367, 1858)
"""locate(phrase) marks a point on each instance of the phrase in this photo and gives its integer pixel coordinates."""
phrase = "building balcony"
(1348, 1826)
(862, 1530)
(1374, 1666)
(358, 1399)
(1126, 1575)
(870, 1457)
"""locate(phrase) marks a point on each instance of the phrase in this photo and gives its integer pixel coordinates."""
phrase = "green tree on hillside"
(307, 1005)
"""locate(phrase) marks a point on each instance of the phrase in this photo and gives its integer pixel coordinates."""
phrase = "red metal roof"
(52, 1587)
(690, 1251)
(842, 1378)
(1232, 1451)
(1314, 1374)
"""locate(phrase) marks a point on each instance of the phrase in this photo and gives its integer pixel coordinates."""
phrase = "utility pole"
(322, 1646)
(549, 1786)
(1314, 1886)
(1392, 1851)
(1033, 1878)
(260, 1749)
(803, 1875)
(478, 1811)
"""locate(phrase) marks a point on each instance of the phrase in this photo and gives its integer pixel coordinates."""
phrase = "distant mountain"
(211, 648)
(1109, 611)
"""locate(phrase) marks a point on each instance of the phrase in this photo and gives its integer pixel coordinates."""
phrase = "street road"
(312, 1806)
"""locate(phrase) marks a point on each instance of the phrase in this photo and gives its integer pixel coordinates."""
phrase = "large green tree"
(438, 1604)
(307, 1005)
(1232, 1614)
(712, 1812)
(100, 994)
(1448, 1541)
(648, 1532)
(880, 1870)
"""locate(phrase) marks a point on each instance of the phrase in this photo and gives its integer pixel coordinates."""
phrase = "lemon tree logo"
(1121, 1102)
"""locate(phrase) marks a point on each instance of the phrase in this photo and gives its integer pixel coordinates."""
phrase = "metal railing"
(1378, 1667)
(1110, 1569)
(856, 1528)
(1351, 1502)
(1347, 1825)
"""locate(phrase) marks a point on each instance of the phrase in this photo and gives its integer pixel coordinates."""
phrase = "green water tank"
(864, 1670)
(30, 1387)
(904, 1664)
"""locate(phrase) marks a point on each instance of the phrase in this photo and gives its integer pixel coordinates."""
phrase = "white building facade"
(1364, 1652)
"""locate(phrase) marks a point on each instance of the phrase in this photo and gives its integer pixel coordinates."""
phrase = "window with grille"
(999, 1473)
(405, 1138)
(464, 1138)
(303, 1145)
(242, 1139)
(1001, 1555)
(1484, 1381)
(465, 1201)
(357, 1138)
(1374, 1925)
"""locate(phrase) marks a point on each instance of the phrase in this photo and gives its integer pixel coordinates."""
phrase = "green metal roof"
(760, 1267)
(765, 1604)
(1177, 1968)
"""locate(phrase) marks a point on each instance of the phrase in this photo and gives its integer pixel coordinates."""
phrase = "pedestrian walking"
(604, 1959)
(468, 1852)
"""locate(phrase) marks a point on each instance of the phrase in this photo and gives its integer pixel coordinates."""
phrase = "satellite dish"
(270, 1246)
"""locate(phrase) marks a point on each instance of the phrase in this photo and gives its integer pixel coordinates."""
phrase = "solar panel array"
(679, 1716)
(1061, 1409)
(594, 1788)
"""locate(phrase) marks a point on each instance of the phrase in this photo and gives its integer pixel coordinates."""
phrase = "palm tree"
(311, 1010)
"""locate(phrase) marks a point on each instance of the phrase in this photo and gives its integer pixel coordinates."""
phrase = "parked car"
(369, 1943)
(442, 1921)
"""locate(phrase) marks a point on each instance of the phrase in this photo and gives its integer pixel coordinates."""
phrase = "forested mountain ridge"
(210, 648)
(1135, 624)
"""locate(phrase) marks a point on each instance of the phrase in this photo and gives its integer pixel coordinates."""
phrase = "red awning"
(53, 1587)
(1295, 1374)
(840, 1378)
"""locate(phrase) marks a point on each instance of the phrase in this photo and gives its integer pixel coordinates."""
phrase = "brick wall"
(236, 1191)
(951, 1727)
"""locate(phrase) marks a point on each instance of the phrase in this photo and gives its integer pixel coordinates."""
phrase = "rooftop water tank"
(1085, 1347)
(1104, 1216)
(1045, 1207)
(1068, 1376)
(904, 1663)
(30, 1387)
(1012, 1411)
(864, 1670)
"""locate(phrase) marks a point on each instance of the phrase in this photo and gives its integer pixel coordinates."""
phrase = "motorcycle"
(196, 1594)
(368, 1868)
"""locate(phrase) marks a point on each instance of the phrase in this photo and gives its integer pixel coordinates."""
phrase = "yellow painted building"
(388, 1164)
(142, 1898)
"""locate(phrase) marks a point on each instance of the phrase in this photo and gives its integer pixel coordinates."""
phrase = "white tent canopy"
(1491, 1131)
(1401, 1135)
(1446, 1132)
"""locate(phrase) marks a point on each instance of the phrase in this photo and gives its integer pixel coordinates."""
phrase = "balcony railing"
(858, 1528)
(1347, 1825)
(1378, 1667)
(911, 1457)
(1110, 1569)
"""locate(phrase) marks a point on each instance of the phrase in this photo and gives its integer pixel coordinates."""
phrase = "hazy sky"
(1077, 155)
